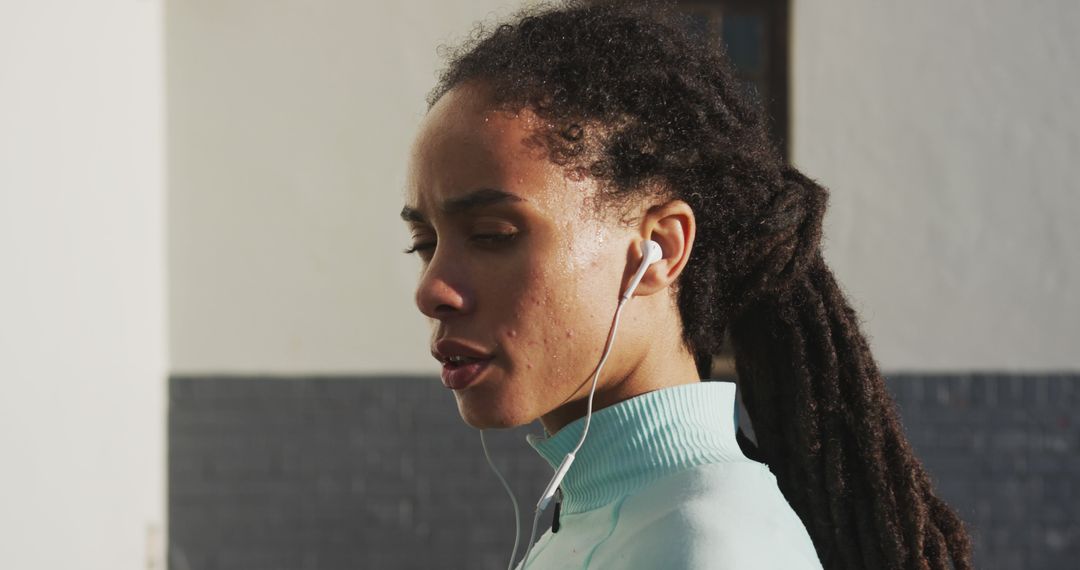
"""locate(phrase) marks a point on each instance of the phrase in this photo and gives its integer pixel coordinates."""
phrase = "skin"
(534, 278)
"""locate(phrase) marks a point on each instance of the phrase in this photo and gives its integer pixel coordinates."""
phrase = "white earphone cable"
(603, 359)
(652, 254)
(513, 499)
(588, 419)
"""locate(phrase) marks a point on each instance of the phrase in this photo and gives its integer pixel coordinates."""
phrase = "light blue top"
(660, 482)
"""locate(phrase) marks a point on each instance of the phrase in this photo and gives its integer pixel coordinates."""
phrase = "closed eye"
(420, 247)
(485, 240)
(493, 239)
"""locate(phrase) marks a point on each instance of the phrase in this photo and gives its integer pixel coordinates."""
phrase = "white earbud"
(651, 253)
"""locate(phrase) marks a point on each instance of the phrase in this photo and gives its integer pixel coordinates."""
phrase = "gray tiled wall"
(351, 473)
(1005, 452)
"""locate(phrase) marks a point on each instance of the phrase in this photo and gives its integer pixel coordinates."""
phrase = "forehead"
(464, 143)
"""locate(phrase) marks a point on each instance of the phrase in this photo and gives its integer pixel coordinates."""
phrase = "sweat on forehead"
(465, 144)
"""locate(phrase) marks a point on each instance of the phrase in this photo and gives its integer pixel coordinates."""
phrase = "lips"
(462, 363)
(449, 348)
(459, 377)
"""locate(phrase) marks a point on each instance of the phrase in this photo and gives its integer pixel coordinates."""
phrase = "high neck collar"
(640, 439)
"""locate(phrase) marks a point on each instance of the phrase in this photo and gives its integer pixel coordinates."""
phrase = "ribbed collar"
(638, 440)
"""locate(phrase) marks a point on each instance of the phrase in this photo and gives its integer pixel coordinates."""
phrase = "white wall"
(944, 129)
(288, 134)
(949, 134)
(82, 333)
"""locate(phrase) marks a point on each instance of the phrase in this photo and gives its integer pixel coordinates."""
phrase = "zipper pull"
(558, 505)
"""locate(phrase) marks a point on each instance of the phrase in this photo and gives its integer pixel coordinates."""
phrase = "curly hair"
(628, 98)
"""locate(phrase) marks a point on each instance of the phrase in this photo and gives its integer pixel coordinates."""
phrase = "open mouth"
(459, 373)
(455, 361)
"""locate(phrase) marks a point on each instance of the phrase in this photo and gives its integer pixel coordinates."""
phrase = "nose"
(442, 291)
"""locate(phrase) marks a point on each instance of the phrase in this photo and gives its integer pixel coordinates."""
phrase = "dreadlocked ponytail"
(823, 418)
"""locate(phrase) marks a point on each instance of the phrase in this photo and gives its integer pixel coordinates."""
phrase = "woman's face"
(518, 273)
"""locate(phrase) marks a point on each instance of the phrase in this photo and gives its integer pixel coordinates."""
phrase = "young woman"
(554, 150)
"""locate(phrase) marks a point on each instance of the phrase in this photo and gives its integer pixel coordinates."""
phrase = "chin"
(490, 417)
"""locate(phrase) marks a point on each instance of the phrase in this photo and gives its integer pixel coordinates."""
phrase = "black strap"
(748, 448)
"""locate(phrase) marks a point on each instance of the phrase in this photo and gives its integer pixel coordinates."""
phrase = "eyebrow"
(471, 201)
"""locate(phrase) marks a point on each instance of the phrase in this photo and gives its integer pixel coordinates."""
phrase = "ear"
(672, 225)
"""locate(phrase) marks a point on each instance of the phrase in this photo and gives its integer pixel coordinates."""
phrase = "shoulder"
(729, 515)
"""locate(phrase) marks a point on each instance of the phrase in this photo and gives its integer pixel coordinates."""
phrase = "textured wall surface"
(289, 129)
(946, 131)
(83, 362)
(346, 473)
(948, 135)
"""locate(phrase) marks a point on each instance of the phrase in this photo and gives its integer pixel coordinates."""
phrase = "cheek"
(589, 250)
(558, 314)
(517, 304)
(563, 319)
(532, 311)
